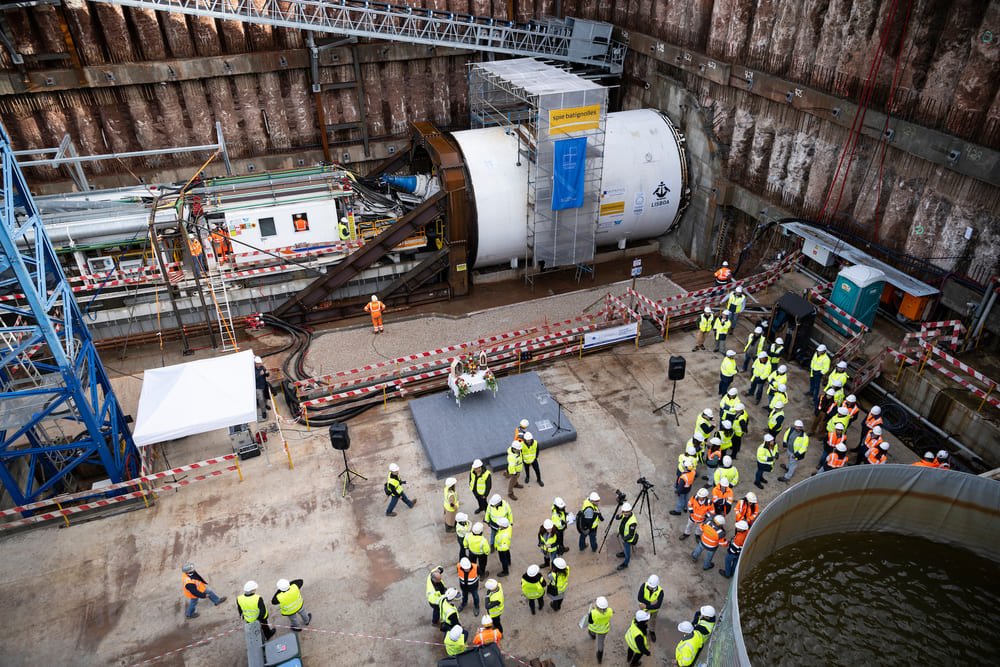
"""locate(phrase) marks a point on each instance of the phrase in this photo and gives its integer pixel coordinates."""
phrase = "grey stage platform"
(483, 427)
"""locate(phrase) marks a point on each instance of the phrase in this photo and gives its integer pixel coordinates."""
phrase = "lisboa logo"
(661, 192)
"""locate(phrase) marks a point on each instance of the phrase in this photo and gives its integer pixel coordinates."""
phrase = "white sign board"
(612, 335)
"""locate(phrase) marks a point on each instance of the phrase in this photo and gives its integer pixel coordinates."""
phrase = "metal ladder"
(216, 281)
(569, 40)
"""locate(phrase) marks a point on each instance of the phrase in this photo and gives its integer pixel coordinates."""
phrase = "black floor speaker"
(675, 371)
(339, 437)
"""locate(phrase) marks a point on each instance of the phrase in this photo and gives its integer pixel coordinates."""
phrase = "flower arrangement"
(463, 388)
(491, 381)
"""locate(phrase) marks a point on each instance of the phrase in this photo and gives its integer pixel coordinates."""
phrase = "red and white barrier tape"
(108, 501)
(191, 645)
(70, 497)
(958, 364)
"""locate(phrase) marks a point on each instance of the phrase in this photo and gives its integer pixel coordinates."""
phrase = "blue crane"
(58, 411)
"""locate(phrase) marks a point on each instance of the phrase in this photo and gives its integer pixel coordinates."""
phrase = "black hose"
(895, 419)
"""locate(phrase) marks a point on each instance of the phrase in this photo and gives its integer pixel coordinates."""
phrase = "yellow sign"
(576, 118)
(614, 208)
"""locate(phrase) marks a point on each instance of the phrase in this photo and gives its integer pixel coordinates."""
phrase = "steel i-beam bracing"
(568, 40)
(57, 407)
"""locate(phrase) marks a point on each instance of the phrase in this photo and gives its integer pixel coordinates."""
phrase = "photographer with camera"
(628, 534)
(588, 519)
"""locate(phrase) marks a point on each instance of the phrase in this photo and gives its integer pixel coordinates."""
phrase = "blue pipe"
(408, 183)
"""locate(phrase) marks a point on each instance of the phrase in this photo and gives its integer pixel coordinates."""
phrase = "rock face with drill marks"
(948, 78)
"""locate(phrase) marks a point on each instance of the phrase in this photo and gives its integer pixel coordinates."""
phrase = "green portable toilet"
(857, 292)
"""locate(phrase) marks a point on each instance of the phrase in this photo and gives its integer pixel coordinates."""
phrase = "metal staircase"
(568, 40)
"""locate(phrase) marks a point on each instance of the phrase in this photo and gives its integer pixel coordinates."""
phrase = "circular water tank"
(644, 184)
(944, 506)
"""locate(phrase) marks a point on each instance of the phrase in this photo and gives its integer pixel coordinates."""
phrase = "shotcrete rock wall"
(947, 77)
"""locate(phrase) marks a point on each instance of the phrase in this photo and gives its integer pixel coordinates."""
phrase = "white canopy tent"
(195, 397)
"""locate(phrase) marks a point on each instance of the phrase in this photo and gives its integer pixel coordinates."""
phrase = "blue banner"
(569, 160)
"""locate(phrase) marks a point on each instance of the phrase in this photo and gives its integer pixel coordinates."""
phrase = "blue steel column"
(83, 396)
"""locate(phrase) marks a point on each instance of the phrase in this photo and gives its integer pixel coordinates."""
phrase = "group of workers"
(249, 605)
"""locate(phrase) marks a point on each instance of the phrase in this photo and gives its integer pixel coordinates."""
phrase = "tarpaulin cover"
(195, 397)
(569, 161)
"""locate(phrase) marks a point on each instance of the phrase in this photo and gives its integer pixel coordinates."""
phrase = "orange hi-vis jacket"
(747, 511)
(487, 636)
(712, 537)
(835, 460)
(727, 496)
(723, 274)
(871, 421)
(876, 456)
(699, 508)
(736, 545)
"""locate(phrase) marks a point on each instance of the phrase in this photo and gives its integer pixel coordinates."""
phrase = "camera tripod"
(671, 404)
(642, 500)
(348, 472)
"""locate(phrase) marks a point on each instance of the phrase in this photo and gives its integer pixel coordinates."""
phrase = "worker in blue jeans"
(195, 588)
(394, 489)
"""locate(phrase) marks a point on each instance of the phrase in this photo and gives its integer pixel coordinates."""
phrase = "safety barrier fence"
(849, 334)
(136, 482)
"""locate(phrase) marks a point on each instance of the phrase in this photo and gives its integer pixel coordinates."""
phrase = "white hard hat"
(393, 467)
(877, 430)
(249, 587)
(461, 516)
(768, 437)
(830, 392)
(725, 263)
(708, 310)
(495, 499)
(451, 594)
(715, 441)
(841, 365)
(374, 297)
(779, 340)
(724, 482)
(739, 290)
(782, 368)
(799, 424)
(559, 563)
(601, 602)
(559, 502)
(641, 615)
(548, 525)
(726, 424)
(727, 461)
(724, 313)
(876, 410)
(451, 481)
(730, 353)
(884, 446)
(258, 360)
(821, 348)
(465, 563)
(843, 448)
(782, 387)
(719, 519)
(486, 620)
(532, 570)
(283, 584)
(593, 497)
(928, 455)
(528, 436)
(455, 632)
(503, 522)
(762, 355)
(516, 444)
(738, 407)
(758, 330)
(478, 463)
(653, 581)
(477, 528)
(778, 405)
(690, 451)
(942, 454)
(752, 498)
(702, 493)
(708, 610)
(187, 568)
(699, 436)
(742, 525)
(626, 507)
(838, 426)
(491, 584)
(708, 412)
(525, 423)
(685, 627)
(733, 391)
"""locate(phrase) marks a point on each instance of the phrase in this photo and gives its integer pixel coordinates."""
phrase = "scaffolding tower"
(59, 417)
